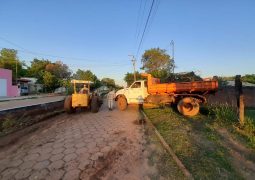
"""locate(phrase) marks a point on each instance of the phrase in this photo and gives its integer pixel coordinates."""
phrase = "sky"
(211, 37)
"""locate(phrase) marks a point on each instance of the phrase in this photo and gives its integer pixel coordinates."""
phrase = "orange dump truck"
(187, 95)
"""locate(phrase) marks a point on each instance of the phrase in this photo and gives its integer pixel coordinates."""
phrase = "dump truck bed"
(200, 87)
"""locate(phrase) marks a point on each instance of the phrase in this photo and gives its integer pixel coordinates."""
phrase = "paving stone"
(27, 165)
(70, 157)
(81, 150)
(56, 157)
(57, 151)
(19, 155)
(105, 150)
(42, 174)
(43, 157)
(80, 145)
(47, 145)
(35, 150)
(46, 150)
(96, 156)
(91, 145)
(58, 145)
(56, 165)
(41, 165)
(23, 174)
(84, 164)
(93, 150)
(73, 174)
(69, 150)
(56, 174)
(30, 157)
(113, 145)
(9, 173)
(68, 145)
(15, 163)
(71, 165)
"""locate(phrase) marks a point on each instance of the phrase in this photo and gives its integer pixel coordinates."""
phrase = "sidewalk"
(26, 97)
(28, 101)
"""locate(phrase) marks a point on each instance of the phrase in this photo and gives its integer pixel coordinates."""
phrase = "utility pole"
(133, 62)
(16, 71)
(172, 45)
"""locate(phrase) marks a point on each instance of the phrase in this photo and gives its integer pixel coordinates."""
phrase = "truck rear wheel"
(68, 105)
(94, 104)
(122, 103)
(188, 106)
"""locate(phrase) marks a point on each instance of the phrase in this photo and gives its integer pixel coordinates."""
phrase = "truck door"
(135, 92)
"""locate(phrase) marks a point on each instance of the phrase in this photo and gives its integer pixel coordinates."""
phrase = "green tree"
(88, 76)
(108, 82)
(9, 60)
(50, 81)
(37, 69)
(58, 69)
(129, 77)
(158, 63)
(249, 78)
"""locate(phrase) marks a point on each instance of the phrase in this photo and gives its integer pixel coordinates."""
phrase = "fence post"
(239, 98)
(241, 109)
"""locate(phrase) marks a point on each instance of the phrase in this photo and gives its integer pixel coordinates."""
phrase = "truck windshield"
(136, 85)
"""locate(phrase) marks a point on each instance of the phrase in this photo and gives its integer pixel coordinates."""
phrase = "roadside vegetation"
(211, 145)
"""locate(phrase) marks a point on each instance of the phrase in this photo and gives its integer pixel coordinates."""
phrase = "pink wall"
(11, 90)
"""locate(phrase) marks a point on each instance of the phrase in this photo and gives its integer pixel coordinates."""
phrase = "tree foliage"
(157, 62)
(9, 59)
(50, 81)
(129, 77)
(250, 78)
(108, 82)
(37, 69)
(88, 76)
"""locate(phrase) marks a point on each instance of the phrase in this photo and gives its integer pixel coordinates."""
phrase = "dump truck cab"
(135, 93)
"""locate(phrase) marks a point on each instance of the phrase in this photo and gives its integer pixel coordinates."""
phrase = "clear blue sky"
(211, 37)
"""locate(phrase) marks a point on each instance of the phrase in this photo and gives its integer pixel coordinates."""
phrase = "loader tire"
(122, 103)
(188, 106)
(68, 105)
(94, 104)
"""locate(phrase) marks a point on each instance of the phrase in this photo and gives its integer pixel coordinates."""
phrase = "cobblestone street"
(104, 145)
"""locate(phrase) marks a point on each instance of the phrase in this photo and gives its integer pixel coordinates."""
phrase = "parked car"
(24, 91)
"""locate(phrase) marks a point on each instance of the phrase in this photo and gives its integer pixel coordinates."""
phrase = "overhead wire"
(26, 51)
(138, 18)
(145, 27)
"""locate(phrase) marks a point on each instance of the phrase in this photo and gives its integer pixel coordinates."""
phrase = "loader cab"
(137, 92)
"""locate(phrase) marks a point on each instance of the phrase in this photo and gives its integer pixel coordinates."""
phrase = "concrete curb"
(28, 107)
(168, 148)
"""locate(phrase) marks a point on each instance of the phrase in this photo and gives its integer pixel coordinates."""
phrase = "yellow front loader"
(82, 99)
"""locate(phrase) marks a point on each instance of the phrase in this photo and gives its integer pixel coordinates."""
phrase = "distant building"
(6, 87)
(32, 86)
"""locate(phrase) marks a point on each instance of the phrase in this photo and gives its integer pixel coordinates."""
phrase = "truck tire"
(188, 106)
(94, 104)
(122, 103)
(68, 105)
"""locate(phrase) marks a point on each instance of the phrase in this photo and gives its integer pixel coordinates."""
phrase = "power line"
(152, 4)
(154, 12)
(138, 19)
(24, 50)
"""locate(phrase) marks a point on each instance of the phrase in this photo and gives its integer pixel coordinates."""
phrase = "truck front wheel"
(122, 103)
(188, 106)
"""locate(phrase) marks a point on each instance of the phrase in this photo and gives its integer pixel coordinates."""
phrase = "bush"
(223, 113)
(8, 123)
